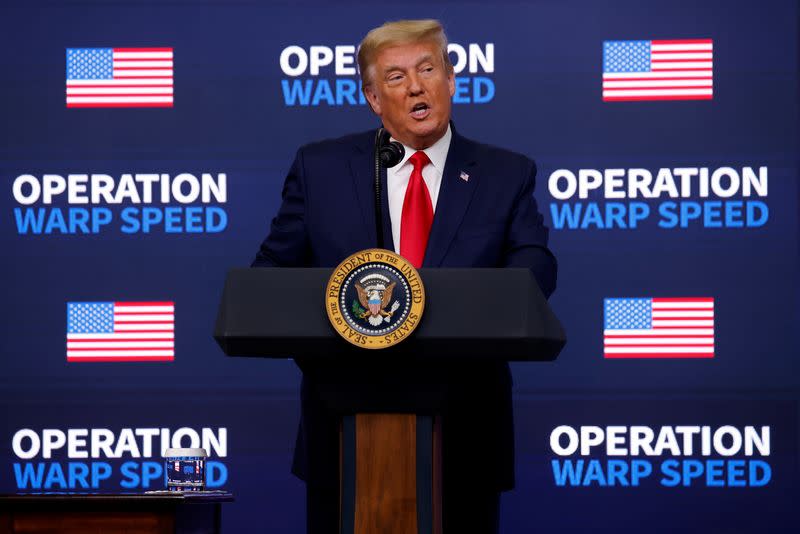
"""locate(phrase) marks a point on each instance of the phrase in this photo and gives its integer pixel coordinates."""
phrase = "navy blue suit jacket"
(489, 219)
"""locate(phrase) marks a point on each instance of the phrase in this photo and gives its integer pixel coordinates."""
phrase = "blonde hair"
(397, 33)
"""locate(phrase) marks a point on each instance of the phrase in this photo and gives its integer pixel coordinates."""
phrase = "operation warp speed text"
(671, 198)
(328, 75)
(670, 456)
(54, 459)
(130, 203)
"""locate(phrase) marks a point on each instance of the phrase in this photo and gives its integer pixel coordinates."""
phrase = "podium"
(390, 477)
(109, 513)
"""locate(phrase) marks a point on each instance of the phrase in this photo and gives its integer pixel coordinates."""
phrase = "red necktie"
(415, 224)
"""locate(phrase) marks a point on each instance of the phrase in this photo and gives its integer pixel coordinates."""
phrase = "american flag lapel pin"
(464, 176)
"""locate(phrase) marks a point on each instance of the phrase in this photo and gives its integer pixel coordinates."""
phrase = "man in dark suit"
(450, 202)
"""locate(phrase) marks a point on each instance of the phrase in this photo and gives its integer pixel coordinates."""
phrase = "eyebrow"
(423, 59)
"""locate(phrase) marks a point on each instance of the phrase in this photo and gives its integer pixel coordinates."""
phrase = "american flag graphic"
(658, 328)
(119, 77)
(658, 70)
(120, 331)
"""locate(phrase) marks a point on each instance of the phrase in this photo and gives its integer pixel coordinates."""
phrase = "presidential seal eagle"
(375, 298)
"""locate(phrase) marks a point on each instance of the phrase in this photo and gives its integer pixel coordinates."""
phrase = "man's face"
(410, 91)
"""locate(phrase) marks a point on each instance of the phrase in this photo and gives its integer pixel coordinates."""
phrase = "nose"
(415, 84)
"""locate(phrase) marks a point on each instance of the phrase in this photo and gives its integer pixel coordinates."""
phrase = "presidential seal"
(375, 298)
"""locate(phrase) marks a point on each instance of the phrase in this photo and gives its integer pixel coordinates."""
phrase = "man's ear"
(373, 100)
(451, 82)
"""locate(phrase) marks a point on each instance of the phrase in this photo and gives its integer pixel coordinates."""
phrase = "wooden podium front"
(129, 513)
(391, 474)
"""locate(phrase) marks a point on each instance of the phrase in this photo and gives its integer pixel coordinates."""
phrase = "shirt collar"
(437, 152)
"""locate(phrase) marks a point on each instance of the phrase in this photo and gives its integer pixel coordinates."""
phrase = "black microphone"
(391, 152)
(387, 154)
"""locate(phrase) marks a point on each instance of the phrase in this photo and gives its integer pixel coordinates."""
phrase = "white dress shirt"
(397, 178)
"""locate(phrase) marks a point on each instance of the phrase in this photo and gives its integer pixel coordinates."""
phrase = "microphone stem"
(378, 209)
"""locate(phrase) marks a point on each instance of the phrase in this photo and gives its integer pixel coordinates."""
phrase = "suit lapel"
(459, 182)
(362, 167)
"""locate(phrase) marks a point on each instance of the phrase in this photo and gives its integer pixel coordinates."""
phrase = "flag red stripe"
(126, 349)
(707, 69)
(660, 355)
(137, 322)
(143, 313)
(678, 327)
(111, 86)
(126, 68)
(125, 105)
(655, 53)
(709, 308)
(637, 88)
(609, 88)
(657, 317)
(115, 95)
(144, 331)
(617, 336)
(143, 49)
(635, 98)
(683, 41)
(131, 340)
(683, 299)
(625, 79)
(659, 60)
(145, 303)
(660, 345)
(121, 359)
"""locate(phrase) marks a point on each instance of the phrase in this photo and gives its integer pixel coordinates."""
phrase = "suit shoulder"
(336, 147)
(487, 151)
(507, 162)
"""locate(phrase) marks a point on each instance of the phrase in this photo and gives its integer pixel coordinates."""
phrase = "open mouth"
(420, 111)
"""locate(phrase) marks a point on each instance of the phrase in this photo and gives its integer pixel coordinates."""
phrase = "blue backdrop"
(252, 81)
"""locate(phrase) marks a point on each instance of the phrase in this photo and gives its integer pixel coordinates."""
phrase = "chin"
(428, 130)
